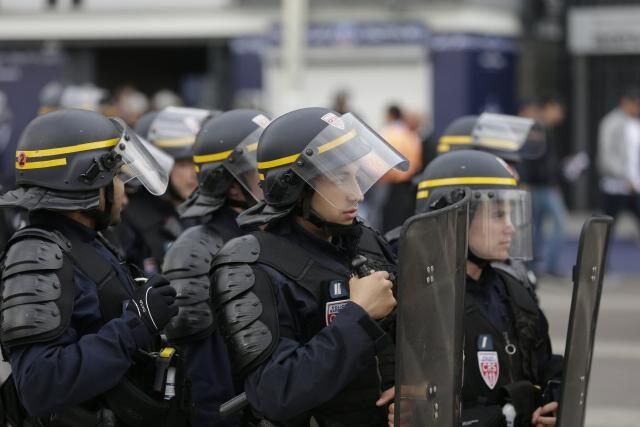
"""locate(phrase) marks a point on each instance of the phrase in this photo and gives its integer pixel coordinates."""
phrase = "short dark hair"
(631, 93)
(395, 112)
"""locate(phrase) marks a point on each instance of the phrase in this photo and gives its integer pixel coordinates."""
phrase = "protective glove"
(154, 303)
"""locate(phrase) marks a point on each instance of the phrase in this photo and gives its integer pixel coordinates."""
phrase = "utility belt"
(154, 392)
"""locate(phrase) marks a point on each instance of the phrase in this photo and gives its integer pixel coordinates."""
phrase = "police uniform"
(224, 153)
(507, 346)
(78, 357)
(507, 350)
(303, 349)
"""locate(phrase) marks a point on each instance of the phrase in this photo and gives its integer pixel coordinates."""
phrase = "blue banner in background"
(23, 74)
(472, 74)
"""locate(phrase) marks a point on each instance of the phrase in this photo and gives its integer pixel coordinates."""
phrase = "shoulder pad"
(192, 253)
(244, 249)
(195, 318)
(37, 288)
(246, 309)
(33, 252)
(187, 265)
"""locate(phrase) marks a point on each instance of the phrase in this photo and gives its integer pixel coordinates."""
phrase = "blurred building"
(217, 52)
(603, 38)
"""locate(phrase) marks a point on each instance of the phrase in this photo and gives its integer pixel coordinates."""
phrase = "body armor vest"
(327, 281)
(493, 358)
(57, 254)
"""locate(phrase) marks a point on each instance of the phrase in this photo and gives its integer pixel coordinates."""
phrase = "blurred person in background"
(392, 200)
(543, 176)
(150, 223)
(165, 98)
(618, 156)
(225, 155)
(341, 102)
(130, 104)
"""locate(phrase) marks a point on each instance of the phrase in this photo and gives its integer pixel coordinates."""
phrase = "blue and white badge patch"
(338, 289)
(333, 309)
(489, 367)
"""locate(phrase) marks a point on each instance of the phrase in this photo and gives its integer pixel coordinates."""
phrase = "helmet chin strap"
(480, 262)
(102, 217)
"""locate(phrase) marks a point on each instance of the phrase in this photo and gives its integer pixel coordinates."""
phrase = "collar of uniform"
(51, 219)
(298, 234)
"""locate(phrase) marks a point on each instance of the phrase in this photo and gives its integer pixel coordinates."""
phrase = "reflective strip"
(338, 141)
(215, 157)
(167, 352)
(443, 148)
(175, 142)
(422, 194)
(261, 176)
(197, 168)
(469, 180)
(456, 139)
(252, 147)
(278, 162)
(70, 149)
(466, 140)
(43, 164)
(321, 149)
(499, 143)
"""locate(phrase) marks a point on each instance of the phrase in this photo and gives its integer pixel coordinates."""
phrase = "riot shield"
(585, 304)
(429, 335)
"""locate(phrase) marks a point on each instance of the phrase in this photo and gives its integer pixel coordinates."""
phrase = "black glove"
(154, 303)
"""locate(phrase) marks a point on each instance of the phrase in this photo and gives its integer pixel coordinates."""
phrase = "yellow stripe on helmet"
(175, 142)
(321, 149)
(214, 157)
(42, 164)
(338, 141)
(467, 180)
(69, 149)
(422, 194)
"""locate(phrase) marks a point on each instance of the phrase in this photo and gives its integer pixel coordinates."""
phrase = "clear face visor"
(177, 126)
(242, 164)
(510, 133)
(142, 161)
(500, 225)
(344, 160)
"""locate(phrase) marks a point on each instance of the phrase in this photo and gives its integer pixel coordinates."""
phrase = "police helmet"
(174, 130)
(511, 138)
(495, 197)
(225, 150)
(144, 123)
(301, 146)
(63, 158)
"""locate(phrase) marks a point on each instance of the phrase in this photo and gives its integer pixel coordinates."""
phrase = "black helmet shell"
(462, 169)
(57, 148)
(280, 145)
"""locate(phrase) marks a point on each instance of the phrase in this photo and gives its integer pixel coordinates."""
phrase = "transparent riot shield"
(429, 340)
(585, 304)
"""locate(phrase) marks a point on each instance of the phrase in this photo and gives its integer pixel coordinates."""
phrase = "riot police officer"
(80, 336)
(150, 224)
(507, 348)
(225, 158)
(301, 331)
